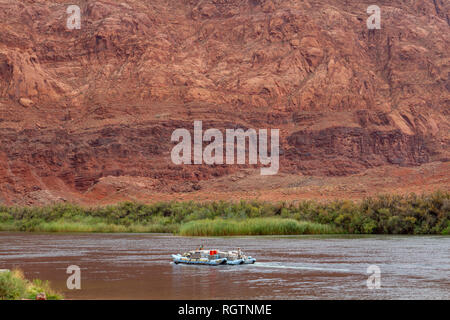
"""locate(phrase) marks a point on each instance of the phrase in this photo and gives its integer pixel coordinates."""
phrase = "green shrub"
(37, 286)
(5, 216)
(12, 287)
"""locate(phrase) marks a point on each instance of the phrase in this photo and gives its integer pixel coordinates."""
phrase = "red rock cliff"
(87, 112)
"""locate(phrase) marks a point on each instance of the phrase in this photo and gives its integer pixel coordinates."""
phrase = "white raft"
(213, 257)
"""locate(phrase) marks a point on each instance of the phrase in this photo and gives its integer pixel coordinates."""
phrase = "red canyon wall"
(87, 114)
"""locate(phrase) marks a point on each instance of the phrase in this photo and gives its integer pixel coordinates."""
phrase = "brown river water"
(138, 266)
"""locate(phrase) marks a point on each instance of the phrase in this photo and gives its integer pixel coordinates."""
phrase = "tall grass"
(100, 227)
(385, 214)
(253, 226)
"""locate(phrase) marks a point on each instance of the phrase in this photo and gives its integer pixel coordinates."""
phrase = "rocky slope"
(86, 114)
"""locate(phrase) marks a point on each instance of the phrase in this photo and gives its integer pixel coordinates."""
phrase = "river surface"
(138, 266)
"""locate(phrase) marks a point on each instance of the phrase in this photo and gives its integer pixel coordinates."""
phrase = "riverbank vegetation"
(254, 226)
(14, 286)
(385, 214)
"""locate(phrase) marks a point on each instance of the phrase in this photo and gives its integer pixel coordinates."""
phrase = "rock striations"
(88, 113)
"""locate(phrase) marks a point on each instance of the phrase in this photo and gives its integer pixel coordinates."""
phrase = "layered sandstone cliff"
(89, 112)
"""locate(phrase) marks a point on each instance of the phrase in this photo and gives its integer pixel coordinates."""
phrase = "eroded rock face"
(80, 105)
(357, 147)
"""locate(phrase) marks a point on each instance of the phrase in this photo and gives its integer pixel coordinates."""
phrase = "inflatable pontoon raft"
(213, 257)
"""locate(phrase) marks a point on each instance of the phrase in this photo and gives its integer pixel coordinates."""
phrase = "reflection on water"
(137, 266)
